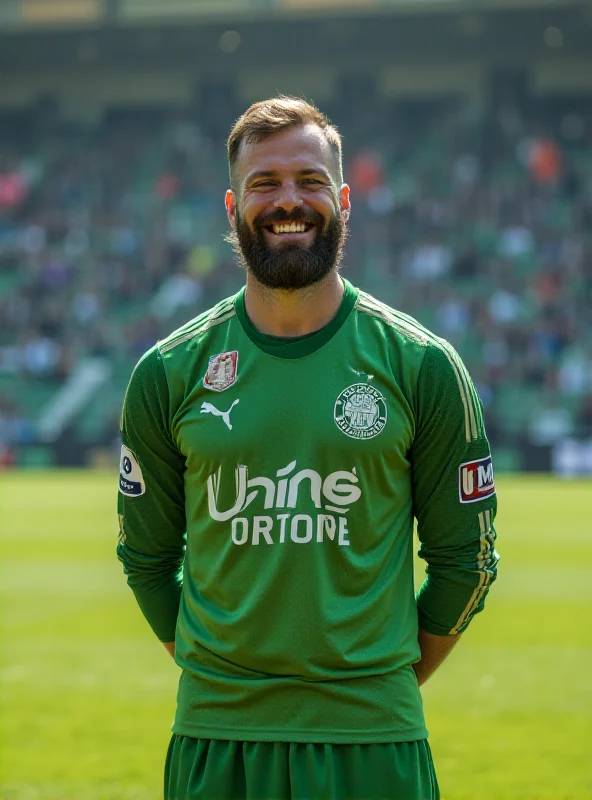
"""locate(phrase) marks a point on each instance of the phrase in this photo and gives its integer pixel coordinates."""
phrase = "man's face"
(288, 212)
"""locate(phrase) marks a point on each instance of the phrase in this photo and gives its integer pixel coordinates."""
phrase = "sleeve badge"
(475, 480)
(131, 480)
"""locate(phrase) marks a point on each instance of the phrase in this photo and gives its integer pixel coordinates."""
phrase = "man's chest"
(249, 408)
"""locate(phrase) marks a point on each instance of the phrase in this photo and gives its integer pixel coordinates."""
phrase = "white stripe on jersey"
(487, 556)
(410, 327)
(209, 322)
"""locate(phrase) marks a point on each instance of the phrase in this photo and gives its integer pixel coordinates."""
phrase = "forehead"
(289, 151)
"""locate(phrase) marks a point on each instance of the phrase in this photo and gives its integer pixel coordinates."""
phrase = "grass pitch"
(88, 694)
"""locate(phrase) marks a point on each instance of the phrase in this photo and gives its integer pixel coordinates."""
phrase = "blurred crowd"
(477, 224)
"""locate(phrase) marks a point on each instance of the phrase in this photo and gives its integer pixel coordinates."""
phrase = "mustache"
(297, 215)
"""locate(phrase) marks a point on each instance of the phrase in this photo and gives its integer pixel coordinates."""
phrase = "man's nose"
(288, 197)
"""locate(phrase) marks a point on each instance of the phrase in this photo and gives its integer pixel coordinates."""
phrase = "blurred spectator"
(13, 187)
(429, 261)
(178, 291)
(544, 160)
(40, 355)
(515, 241)
(504, 307)
(583, 420)
(575, 371)
(366, 172)
(15, 427)
(550, 422)
(453, 315)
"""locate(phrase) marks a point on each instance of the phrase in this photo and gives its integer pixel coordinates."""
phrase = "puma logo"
(208, 408)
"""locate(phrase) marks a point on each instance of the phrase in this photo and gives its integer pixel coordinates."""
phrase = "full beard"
(291, 266)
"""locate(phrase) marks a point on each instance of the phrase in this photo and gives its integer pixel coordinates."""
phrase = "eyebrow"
(270, 173)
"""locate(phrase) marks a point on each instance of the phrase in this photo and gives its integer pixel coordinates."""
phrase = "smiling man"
(276, 450)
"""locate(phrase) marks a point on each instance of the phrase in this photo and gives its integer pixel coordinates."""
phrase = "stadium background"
(468, 144)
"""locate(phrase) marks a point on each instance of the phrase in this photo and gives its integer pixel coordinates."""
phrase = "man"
(275, 452)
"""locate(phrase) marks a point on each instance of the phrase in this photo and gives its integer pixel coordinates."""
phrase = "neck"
(278, 312)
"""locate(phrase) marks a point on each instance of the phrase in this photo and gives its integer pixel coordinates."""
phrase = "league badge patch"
(475, 480)
(131, 480)
(222, 371)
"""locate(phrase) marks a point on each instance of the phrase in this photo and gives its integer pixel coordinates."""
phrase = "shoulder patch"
(475, 480)
(131, 480)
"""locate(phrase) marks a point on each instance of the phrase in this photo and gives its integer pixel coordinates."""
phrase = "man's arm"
(454, 502)
(434, 650)
(151, 499)
(170, 648)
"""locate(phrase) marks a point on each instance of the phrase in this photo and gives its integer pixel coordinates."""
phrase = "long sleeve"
(151, 501)
(454, 495)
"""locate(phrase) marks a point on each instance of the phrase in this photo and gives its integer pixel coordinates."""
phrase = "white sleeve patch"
(131, 480)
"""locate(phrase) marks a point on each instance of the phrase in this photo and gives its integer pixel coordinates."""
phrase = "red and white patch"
(222, 371)
(475, 480)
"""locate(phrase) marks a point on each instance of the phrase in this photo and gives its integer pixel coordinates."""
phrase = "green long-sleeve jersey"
(268, 489)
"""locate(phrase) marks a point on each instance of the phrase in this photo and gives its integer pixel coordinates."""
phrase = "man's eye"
(313, 180)
(263, 184)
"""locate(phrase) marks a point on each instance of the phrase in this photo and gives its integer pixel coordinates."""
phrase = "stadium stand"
(476, 221)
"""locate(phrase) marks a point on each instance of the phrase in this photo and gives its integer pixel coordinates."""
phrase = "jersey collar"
(296, 346)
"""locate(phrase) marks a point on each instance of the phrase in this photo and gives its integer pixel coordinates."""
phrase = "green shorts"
(215, 769)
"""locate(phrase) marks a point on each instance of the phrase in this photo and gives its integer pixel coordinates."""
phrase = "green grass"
(88, 695)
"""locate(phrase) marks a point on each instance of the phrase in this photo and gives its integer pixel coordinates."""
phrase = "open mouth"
(289, 228)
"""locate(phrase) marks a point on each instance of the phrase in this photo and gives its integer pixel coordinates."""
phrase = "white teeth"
(289, 227)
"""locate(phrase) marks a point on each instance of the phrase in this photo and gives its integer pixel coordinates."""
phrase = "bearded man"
(276, 450)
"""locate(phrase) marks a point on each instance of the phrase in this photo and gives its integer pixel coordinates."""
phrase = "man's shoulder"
(190, 331)
(169, 353)
(417, 342)
(401, 324)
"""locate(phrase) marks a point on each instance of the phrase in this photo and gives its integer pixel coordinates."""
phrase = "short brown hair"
(271, 116)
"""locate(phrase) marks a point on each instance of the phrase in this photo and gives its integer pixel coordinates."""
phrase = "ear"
(344, 202)
(230, 203)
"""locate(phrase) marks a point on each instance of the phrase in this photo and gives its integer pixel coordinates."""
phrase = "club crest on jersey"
(360, 411)
(475, 480)
(131, 480)
(222, 371)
